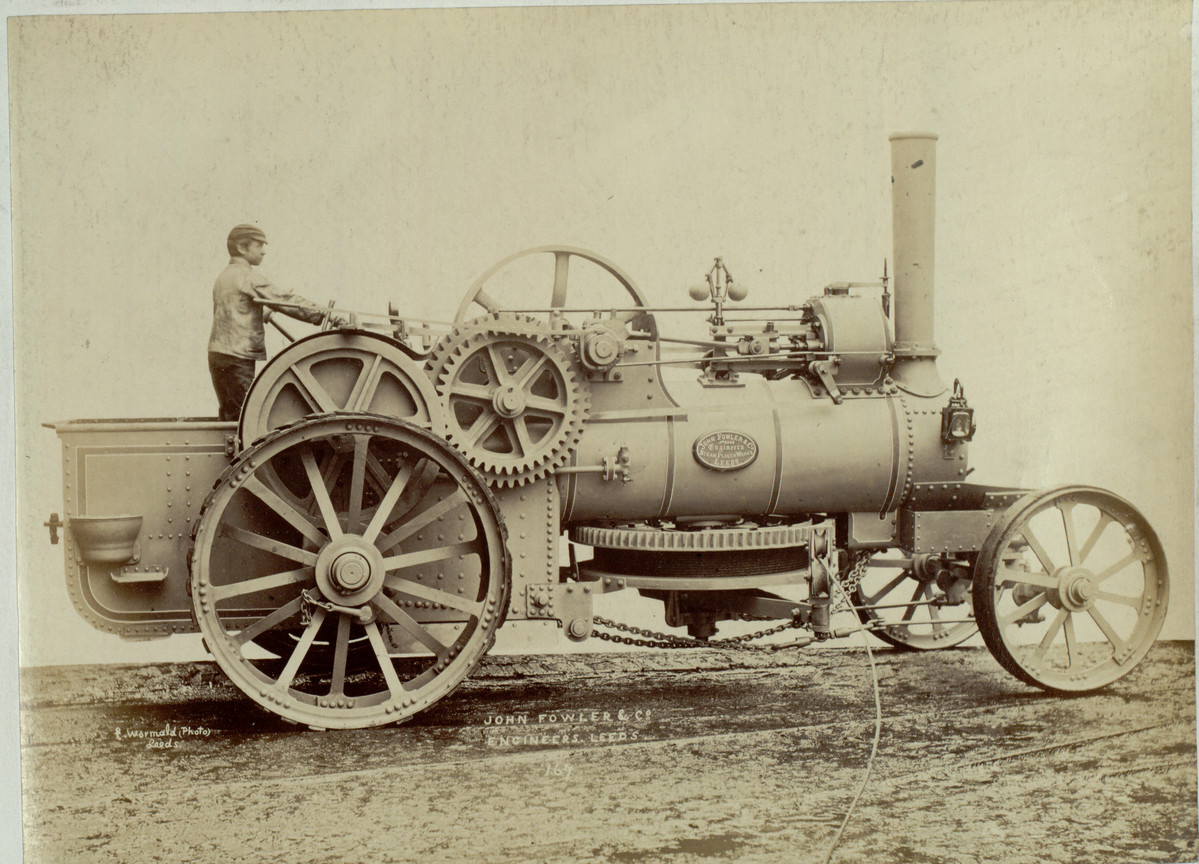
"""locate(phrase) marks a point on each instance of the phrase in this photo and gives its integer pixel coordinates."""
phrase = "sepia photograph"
(617, 433)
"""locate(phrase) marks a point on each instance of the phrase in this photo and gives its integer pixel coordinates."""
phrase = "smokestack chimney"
(913, 210)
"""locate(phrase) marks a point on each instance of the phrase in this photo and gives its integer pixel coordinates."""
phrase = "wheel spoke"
(486, 301)
(1006, 575)
(1024, 609)
(363, 393)
(318, 397)
(426, 556)
(275, 547)
(1063, 615)
(385, 506)
(420, 520)
(321, 492)
(522, 436)
(1037, 549)
(1067, 511)
(262, 583)
(301, 651)
(483, 426)
(886, 589)
(1096, 533)
(357, 481)
(1071, 641)
(1112, 636)
(543, 404)
(413, 627)
(498, 367)
(1131, 558)
(524, 377)
(341, 651)
(911, 610)
(292, 515)
(263, 624)
(933, 615)
(471, 391)
(385, 665)
(433, 595)
(1134, 602)
(561, 270)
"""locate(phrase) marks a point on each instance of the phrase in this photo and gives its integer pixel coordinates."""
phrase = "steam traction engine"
(350, 547)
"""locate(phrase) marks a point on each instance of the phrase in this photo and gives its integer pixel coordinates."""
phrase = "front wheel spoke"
(433, 595)
(262, 583)
(420, 520)
(341, 651)
(884, 591)
(1067, 511)
(413, 627)
(263, 624)
(1071, 641)
(1022, 610)
(1112, 636)
(385, 665)
(1006, 576)
(934, 616)
(911, 610)
(1126, 600)
(1063, 615)
(1037, 549)
(301, 650)
(426, 556)
(275, 547)
(321, 493)
(1096, 533)
(1130, 558)
(294, 517)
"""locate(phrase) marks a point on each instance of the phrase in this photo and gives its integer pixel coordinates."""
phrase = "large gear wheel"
(515, 400)
(441, 353)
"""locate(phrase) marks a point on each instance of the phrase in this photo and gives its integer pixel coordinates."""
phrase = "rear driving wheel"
(349, 536)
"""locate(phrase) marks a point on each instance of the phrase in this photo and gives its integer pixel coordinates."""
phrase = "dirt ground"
(655, 757)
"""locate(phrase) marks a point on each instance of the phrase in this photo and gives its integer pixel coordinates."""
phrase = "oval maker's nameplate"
(725, 451)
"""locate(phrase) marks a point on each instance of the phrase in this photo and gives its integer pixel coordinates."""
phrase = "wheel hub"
(349, 571)
(509, 401)
(1077, 589)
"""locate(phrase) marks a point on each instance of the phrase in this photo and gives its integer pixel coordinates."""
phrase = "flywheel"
(515, 400)
(339, 371)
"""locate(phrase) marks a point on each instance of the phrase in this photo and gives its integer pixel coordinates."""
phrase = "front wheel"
(1070, 589)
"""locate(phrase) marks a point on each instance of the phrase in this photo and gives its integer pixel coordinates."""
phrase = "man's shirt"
(237, 319)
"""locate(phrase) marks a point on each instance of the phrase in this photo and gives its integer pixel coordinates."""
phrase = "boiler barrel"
(766, 447)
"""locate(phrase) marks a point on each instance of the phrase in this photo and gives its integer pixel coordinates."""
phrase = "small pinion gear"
(516, 401)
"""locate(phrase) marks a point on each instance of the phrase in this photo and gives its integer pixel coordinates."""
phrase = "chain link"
(849, 579)
(668, 640)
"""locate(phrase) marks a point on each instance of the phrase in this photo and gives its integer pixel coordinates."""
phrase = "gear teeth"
(458, 348)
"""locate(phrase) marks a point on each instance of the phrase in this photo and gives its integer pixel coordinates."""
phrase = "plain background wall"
(395, 155)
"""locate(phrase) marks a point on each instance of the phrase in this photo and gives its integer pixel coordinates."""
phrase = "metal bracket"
(823, 369)
(569, 603)
(133, 574)
(54, 524)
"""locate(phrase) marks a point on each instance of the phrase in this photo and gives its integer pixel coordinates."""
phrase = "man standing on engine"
(237, 340)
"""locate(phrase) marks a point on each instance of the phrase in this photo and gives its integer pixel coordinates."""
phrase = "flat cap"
(246, 231)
